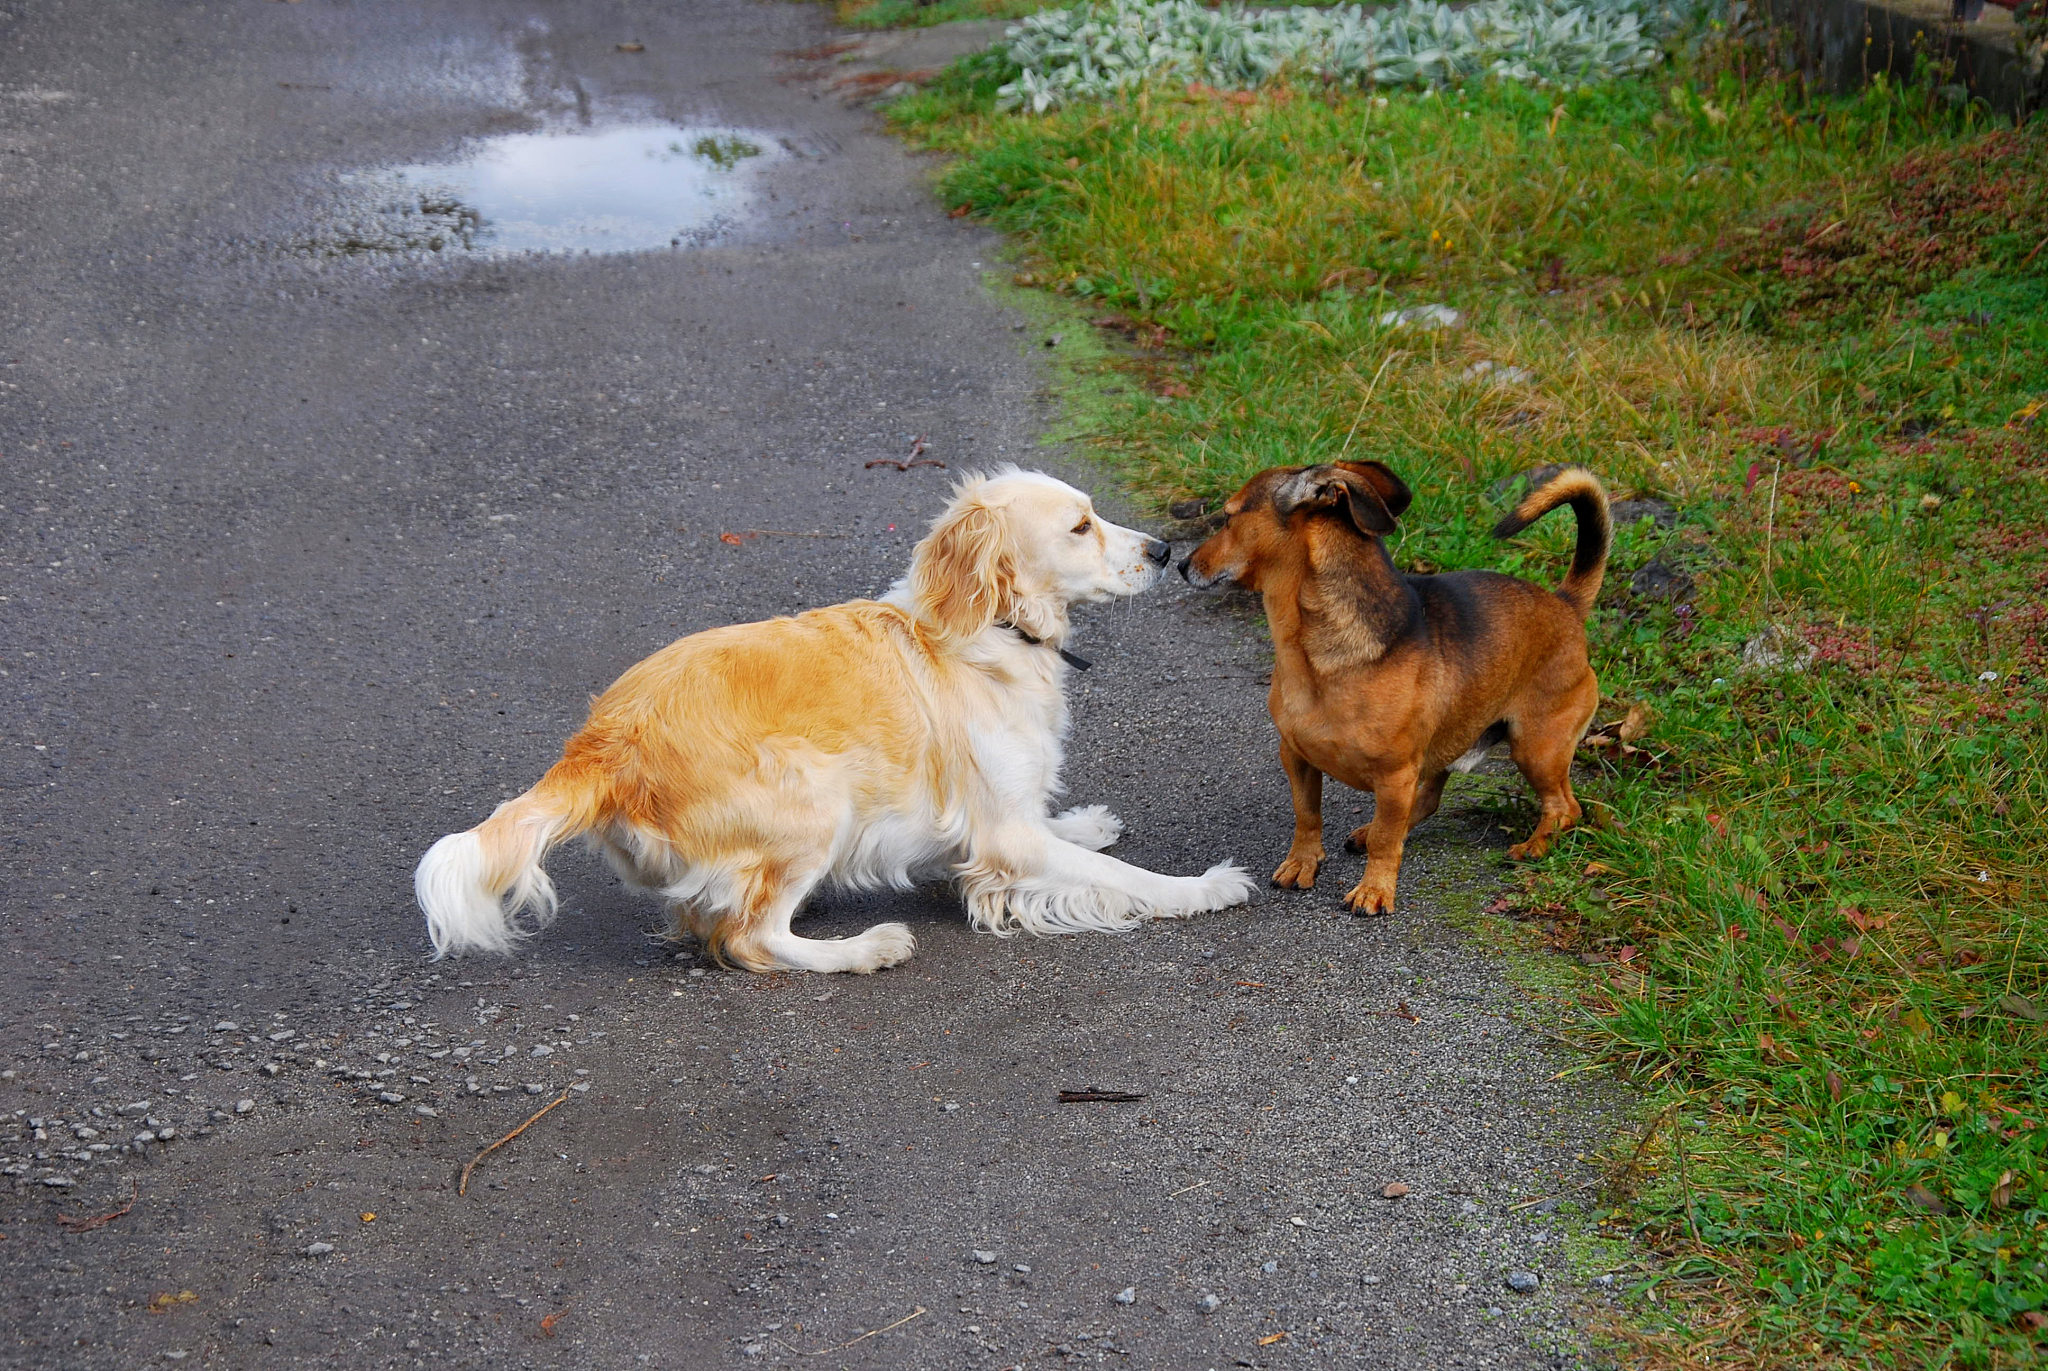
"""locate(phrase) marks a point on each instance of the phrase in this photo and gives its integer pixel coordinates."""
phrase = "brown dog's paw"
(1298, 872)
(1529, 851)
(1369, 896)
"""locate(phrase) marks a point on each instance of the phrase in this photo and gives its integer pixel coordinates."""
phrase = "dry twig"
(463, 1187)
(73, 1224)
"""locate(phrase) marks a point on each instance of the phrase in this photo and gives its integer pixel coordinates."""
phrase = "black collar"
(1079, 663)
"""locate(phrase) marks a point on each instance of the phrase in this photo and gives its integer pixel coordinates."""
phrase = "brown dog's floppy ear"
(1392, 490)
(963, 576)
(1336, 487)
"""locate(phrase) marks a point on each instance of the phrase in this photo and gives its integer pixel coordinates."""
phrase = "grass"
(1813, 917)
(909, 14)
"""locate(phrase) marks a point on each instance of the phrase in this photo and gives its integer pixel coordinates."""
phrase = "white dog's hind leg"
(1031, 881)
(757, 935)
(1089, 826)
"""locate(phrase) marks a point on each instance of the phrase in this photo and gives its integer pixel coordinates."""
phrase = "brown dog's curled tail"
(1581, 489)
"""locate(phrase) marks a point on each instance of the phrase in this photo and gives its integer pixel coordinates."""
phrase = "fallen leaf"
(1862, 920)
(732, 538)
(367, 1217)
(1635, 725)
(1914, 1022)
(2001, 1194)
(2035, 1319)
(1834, 1082)
(165, 1302)
(1272, 1338)
(1599, 869)
(1625, 954)
(2020, 1007)
(1394, 1191)
(1920, 1197)
(1774, 1051)
(547, 1325)
(959, 211)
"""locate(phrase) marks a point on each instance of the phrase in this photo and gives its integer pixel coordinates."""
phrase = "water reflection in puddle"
(627, 188)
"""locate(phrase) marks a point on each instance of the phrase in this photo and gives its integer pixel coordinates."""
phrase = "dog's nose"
(1184, 569)
(1159, 552)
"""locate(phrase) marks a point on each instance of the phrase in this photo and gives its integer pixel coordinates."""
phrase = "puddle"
(626, 188)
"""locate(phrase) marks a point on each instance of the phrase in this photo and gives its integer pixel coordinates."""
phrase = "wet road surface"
(317, 535)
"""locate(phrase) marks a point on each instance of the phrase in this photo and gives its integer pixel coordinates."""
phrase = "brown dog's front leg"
(1305, 855)
(1393, 803)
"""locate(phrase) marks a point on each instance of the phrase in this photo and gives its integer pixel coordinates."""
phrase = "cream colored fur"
(866, 744)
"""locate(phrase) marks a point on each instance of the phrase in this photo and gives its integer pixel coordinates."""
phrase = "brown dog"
(1390, 682)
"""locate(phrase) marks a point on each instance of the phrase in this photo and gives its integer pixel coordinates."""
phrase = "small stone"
(1209, 1304)
(1394, 1190)
(270, 1069)
(1270, 1267)
(426, 1111)
(1604, 1282)
(227, 1026)
(136, 1109)
(696, 973)
(1021, 1269)
(542, 1050)
(533, 1089)
(245, 1106)
(145, 1136)
(1422, 316)
(166, 1133)
(951, 1108)
(985, 1258)
(319, 1249)
(1127, 1295)
(1522, 1282)
(1493, 1311)
(390, 1097)
(581, 1087)
(58, 1182)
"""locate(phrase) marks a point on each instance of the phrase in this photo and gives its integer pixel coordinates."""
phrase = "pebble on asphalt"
(1522, 1282)
(245, 1106)
(1210, 1303)
(985, 1258)
(319, 1249)
(1127, 1295)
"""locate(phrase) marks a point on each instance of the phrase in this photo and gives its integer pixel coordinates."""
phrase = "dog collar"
(1074, 660)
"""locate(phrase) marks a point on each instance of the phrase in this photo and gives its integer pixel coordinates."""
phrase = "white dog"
(734, 771)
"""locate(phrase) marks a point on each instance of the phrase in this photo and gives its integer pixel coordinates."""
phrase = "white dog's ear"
(963, 576)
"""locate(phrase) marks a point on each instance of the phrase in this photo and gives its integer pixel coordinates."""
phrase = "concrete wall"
(1848, 41)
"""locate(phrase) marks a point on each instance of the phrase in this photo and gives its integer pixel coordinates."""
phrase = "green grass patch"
(1815, 916)
(909, 14)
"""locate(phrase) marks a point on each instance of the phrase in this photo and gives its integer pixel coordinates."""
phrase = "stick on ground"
(463, 1188)
(83, 1225)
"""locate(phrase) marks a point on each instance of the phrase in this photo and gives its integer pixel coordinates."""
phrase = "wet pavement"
(316, 535)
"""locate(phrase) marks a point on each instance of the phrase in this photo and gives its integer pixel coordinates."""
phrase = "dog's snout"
(1160, 553)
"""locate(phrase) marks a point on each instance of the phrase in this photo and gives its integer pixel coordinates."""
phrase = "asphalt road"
(311, 551)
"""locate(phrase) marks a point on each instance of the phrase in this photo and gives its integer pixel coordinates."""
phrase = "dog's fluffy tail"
(1581, 489)
(485, 890)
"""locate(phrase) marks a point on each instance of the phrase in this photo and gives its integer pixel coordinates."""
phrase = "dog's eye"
(1083, 526)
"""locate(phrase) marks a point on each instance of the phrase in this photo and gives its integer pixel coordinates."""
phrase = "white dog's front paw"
(883, 945)
(1089, 826)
